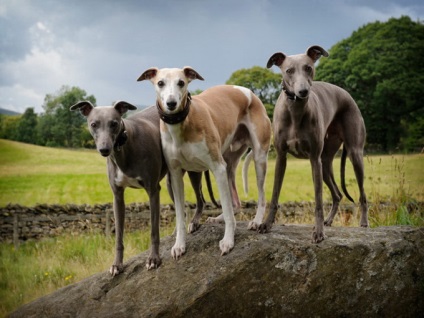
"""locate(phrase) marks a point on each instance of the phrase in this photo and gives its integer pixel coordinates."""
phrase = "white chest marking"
(123, 180)
(191, 156)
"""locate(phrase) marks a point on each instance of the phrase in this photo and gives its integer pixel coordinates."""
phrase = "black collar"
(176, 118)
(290, 95)
(122, 138)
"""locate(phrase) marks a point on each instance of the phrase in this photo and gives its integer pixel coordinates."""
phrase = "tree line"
(380, 65)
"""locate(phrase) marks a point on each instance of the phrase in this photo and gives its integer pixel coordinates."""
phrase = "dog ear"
(276, 59)
(315, 52)
(84, 107)
(148, 74)
(122, 107)
(191, 74)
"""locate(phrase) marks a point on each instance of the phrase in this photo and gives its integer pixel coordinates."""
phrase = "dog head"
(298, 70)
(105, 123)
(171, 86)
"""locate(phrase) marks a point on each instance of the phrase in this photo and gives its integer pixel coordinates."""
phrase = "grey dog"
(311, 121)
(134, 159)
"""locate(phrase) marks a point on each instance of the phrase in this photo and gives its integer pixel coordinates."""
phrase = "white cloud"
(103, 46)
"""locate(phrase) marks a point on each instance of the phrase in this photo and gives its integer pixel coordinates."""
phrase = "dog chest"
(298, 147)
(122, 180)
(188, 156)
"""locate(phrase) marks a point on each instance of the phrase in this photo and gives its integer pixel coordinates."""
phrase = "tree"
(381, 65)
(263, 82)
(9, 126)
(58, 126)
(27, 125)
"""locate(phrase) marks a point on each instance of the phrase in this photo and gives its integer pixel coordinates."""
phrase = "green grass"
(39, 268)
(31, 174)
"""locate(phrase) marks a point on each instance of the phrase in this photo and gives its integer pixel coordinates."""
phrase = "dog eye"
(161, 84)
(181, 83)
(290, 71)
(308, 69)
(113, 124)
(93, 125)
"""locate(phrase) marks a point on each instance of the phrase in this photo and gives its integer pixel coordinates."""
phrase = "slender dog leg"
(196, 182)
(260, 168)
(358, 166)
(318, 233)
(328, 176)
(178, 187)
(154, 260)
(280, 170)
(227, 243)
(119, 213)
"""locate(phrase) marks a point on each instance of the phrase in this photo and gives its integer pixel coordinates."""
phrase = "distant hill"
(8, 112)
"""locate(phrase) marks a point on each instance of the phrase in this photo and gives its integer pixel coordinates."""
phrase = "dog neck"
(290, 95)
(176, 118)
(121, 139)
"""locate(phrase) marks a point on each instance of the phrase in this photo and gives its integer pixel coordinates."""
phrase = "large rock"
(355, 272)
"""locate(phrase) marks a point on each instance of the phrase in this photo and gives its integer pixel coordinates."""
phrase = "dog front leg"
(227, 243)
(119, 213)
(154, 260)
(318, 233)
(280, 170)
(178, 188)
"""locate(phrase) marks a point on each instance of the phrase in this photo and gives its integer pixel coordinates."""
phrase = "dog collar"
(173, 119)
(122, 138)
(290, 95)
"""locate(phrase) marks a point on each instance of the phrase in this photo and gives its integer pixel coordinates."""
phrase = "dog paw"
(226, 246)
(253, 226)
(264, 228)
(318, 236)
(153, 262)
(193, 227)
(116, 269)
(365, 224)
(177, 251)
(218, 219)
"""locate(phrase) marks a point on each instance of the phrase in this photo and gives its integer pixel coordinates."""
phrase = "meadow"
(31, 174)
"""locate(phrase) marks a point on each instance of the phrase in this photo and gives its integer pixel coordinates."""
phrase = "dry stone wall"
(20, 223)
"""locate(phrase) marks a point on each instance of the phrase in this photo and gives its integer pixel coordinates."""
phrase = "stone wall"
(20, 223)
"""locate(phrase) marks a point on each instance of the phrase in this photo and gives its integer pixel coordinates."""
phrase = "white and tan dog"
(200, 133)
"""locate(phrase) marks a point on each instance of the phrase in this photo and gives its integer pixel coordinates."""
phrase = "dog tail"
(210, 190)
(245, 173)
(342, 173)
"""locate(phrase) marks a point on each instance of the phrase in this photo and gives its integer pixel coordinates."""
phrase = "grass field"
(31, 174)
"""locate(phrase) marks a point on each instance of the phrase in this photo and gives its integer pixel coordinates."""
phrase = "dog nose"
(171, 105)
(104, 152)
(303, 93)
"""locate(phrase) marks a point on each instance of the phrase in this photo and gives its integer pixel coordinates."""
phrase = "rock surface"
(355, 272)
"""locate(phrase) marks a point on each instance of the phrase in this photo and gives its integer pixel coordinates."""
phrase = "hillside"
(8, 112)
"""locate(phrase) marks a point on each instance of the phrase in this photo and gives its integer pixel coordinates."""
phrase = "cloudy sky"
(102, 46)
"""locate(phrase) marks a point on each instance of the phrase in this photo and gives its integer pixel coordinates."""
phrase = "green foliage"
(381, 65)
(56, 127)
(262, 81)
(26, 128)
(9, 126)
(59, 126)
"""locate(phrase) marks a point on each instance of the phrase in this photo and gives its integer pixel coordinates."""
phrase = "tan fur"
(219, 127)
